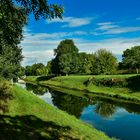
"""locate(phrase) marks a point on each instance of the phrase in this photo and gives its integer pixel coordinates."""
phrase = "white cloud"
(116, 46)
(39, 47)
(138, 18)
(108, 28)
(37, 57)
(72, 21)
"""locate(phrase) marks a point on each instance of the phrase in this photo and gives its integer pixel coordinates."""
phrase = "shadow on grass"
(31, 128)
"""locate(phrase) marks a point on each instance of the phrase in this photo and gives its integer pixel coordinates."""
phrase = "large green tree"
(86, 62)
(105, 62)
(13, 17)
(131, 58)
(65, 58)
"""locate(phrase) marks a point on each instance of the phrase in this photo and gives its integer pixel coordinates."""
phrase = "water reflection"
(74, 105)
(116, 119)
(36, 89)
(69, 103)
(105, 109)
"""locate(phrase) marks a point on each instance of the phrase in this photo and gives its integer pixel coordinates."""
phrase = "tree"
(36, 69)
(12, 21)
(131, 58)
(10, 58)
(105, 62)
(86, 63)
(40, 8)
(65, 58)
(66, 46)
(42, 71)
(13, 17)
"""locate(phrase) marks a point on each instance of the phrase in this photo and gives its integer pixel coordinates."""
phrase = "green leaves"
(131, 58)
(41, 8)
(105, 62)
(69, 61)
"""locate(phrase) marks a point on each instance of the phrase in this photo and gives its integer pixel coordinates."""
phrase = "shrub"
(108, 82)
(5, 95)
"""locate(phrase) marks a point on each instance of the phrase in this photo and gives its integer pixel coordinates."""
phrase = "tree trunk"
(137, 70)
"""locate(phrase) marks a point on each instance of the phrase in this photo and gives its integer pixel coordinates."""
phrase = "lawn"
(30, 117)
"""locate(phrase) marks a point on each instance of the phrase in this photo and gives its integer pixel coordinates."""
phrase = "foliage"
(69, 61)
(131, 59)
(5, 95)
(65, 46)
(13, 17)
(12, 21)
(21, 72)
(65, 58)
(36, 69)
(10, 58)
(105, 62)
(86, 62)
(40, 8)
(108, 82)
(127, 91)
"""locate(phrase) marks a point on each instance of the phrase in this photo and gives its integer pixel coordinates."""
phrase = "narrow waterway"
(116, 119)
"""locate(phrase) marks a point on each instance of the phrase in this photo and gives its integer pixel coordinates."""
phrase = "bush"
(108, 82)
(5, 95)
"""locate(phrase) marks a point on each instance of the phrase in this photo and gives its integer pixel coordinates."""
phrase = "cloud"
(138, 18)
(109, 28)
(38, 47)
(37, 57)
(115, 45)
(72, 21)
(106, 26)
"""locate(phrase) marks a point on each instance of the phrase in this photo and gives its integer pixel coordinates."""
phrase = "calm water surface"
(120, 120)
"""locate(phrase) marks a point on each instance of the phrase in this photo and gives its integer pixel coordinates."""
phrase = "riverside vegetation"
(124, 87)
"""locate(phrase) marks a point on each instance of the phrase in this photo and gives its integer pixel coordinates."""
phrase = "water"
(116, 119)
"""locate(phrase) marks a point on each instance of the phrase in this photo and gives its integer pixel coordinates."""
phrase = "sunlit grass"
(31, 114)
(76, 82)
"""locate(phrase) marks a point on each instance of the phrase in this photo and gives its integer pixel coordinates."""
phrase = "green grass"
(77, 83)
(30, 117)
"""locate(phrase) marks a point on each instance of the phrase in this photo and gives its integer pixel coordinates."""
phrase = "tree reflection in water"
(105, 109)
(74, 105)
(36, 89)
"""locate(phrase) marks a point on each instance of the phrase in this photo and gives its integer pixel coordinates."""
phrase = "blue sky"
(92, 24)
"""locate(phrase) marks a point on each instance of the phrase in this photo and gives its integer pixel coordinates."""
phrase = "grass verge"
(29, 117)
(77, 83)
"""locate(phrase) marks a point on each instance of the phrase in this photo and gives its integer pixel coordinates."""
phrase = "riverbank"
(125, 87)
(29, 117)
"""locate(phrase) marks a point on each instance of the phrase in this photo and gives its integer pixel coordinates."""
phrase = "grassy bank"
(30, 117)
(126, 87)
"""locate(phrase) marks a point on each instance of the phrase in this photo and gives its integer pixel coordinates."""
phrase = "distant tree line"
(68, 60)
